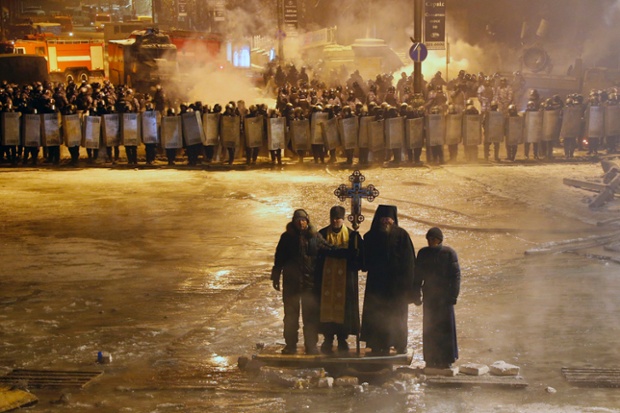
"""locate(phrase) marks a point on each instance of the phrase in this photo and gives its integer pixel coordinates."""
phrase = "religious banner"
(376, 131)
(276, 133)
(329, 130)
(612, 120)
(316, 136)
(349, 131)
(31, 129)
(111, 129)
(435, 129)
(364, 131)
(193, 132)
(254, 132)
(514, 130)
(595, 122)
(300, 135)
(395, 133)
(414, 133)
(472, 130)
(130, 129)
(171, 132)
(231, 132)
(435, 24)
(454, 128)
(533, 127)
(11, 128)
(494, 127)
(149, 127)
(572, 120)
(551, 125)
(92, 132)
(72, 130)
(211, 127)
(50, 129)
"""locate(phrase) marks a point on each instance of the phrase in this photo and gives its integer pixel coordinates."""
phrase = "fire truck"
(145, 59)
(67, 59)
(195, 49)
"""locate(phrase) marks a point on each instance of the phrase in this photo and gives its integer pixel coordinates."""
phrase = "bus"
(101, 19)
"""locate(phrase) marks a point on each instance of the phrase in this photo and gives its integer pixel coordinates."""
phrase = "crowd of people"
(373, 121)
(317, 272)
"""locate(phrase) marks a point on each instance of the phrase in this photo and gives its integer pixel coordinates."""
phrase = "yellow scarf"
(334, 286)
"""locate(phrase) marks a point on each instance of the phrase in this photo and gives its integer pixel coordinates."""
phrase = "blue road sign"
(418, 52)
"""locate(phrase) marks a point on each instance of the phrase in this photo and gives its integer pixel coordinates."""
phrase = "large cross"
(356, 193)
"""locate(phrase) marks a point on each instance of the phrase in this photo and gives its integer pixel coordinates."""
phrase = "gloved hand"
(275, 278)
(417, 301)
(276, 284)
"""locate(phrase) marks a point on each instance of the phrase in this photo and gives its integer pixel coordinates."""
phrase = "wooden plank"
(50, 378)
(271, 355)
(592, 377)
(592, 186)
(11, 399)
(607, 194)
(486, 380)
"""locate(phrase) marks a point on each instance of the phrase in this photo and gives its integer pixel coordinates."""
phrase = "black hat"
(434, 233)
(300, 213)
(336, 212)
(383, 211)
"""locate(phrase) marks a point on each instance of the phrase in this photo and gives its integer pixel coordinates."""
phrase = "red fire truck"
(77, 59)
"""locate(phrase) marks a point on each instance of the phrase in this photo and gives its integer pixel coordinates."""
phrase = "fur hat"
(336, 212)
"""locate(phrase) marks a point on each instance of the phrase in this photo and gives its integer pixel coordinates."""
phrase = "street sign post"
(418, 52)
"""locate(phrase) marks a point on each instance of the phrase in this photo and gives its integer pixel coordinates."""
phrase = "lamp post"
(417, 38)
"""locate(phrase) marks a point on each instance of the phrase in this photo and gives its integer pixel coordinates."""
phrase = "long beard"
(386, 228)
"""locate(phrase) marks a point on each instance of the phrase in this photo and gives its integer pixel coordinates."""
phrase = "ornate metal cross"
(356, 193)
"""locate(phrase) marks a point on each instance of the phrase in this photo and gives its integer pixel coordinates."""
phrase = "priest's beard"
(386, 228)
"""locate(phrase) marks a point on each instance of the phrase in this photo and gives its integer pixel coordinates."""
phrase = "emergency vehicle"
(67, 59)
(147, 58)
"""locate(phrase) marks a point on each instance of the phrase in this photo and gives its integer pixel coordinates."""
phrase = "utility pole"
(280, 34)
(417, 38)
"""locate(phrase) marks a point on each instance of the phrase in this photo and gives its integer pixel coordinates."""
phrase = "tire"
(69, 76)
(82, 76)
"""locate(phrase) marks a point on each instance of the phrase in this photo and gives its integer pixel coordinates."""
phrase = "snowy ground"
(167, 269)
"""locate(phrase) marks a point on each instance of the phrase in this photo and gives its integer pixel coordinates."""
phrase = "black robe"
(353, 254)
(390, 261)
(438, 279)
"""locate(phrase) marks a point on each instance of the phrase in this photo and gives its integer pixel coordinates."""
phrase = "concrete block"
(474, 369)
(346, 381)
(501, 368)
(451, 372)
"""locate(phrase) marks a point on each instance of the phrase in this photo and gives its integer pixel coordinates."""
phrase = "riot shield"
(612, 120)
(472, 130)
(72, 130)
(316, 135)
(50, 129)
(514, 130)
(300, 135)
(551, 125)
(231, 134)
(130, 129)
(254, 132)
(149, 127)
(435, 129)
(395, 133)
(454, 129)
(533, 127)
(276, 133)
(111, 129)
(171, 132)
(364, 132)
(329, 129)
(92, 132)
(494, 127)
(349, 130)
(377, 135)
(11, 128)
(595, 124)
(572, 118)
(193, 132)
(211, 126)
(414, 133)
